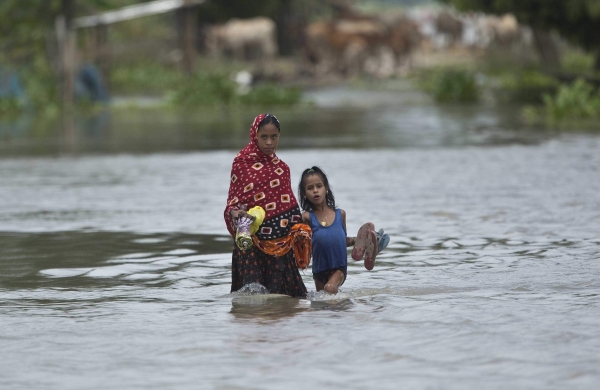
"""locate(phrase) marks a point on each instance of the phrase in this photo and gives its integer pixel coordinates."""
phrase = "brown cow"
(403, 36)
(450, 26)
(354, 46)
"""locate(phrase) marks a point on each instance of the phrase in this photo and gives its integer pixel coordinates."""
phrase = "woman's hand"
(235, 214)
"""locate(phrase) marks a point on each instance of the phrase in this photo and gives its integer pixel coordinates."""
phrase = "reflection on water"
(76, 259)
(267, 308)
(341, 118)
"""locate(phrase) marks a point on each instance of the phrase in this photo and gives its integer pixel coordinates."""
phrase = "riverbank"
(344, 116)
(463, 84)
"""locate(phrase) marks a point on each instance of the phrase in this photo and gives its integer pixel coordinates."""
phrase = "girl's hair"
(304, 202)
(269, 118)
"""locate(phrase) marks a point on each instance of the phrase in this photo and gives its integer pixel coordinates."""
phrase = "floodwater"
(115, 262)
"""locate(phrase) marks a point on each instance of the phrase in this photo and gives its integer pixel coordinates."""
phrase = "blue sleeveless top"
(328, 244)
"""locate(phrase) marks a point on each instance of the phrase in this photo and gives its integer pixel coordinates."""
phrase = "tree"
(576, 20)
(27, 25)
(28, 39)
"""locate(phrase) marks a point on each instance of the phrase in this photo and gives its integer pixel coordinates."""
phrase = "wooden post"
(546, 48)
(67, 47)
(104, 53)
(66, 43)
(186, 31)
(91, 49)
(286, 35)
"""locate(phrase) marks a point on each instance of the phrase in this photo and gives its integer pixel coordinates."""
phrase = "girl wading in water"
(282, 243)
(329, 241)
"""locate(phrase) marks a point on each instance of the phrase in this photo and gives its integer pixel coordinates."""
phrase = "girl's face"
(315, 189)
(268, 137)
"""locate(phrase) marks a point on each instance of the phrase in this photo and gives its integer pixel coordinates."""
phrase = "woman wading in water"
(282, 243)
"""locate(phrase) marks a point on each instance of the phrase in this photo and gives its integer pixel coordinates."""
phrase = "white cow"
(243, 39)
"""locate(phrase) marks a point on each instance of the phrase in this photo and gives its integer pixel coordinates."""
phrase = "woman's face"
(268, 137)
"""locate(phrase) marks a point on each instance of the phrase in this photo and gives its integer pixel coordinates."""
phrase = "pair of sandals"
(368, 244)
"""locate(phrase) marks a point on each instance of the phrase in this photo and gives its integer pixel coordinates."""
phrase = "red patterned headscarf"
(262, 180)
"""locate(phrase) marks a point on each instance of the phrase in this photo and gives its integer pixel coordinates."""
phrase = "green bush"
(10, 107)
(204, 90)
(576, 101)
(526, 87)
(271, 94)
(218, 89)
(451, 85)
(577, 62)
(41, 91)
(146, 78)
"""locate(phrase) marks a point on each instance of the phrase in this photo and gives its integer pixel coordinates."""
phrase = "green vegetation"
(27, 44)
(576, 20)
(574, 106)
(528, 86)
(10, 107)
(152, 69)
(145, 78)
(576, 101)
(204, 90)
(271, 94)
(219, 90)
(578, 62)
(450, 85)
(210, 85)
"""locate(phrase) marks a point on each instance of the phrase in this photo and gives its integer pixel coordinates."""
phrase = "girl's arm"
(306, 218)
(349, 240)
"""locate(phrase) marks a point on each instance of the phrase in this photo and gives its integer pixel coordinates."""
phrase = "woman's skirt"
(279, 275)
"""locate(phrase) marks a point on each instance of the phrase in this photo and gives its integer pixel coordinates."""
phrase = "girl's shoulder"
(343, 214)
(306, 217)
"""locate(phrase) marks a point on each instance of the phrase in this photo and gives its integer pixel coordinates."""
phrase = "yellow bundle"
(247, 226)
(259, 216)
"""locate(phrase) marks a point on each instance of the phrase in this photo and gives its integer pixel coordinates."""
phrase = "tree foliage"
(23, 28)
(28, 40)
(27, 26)
(576, 20)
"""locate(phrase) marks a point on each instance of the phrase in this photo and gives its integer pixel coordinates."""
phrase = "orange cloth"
(299, 238)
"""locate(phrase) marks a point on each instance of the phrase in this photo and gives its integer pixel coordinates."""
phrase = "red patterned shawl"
(262, 180)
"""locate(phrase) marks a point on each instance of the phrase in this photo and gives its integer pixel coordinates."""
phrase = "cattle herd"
(379, 46)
